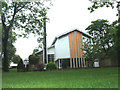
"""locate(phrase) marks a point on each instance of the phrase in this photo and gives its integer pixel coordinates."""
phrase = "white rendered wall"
(51, 50)
(62, 48)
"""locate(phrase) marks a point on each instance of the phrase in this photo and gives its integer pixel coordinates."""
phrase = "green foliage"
(33, 59)
(108, 3)
(102, 44)
(35, 51)
(40, 67)
(88, 50)
(16, 59)
(100, 30)
(98, 4)
(11, 51)
(14, 17)
(51, 66)
(20, 65)
(30, 22)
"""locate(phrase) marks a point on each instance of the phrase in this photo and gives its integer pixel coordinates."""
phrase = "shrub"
(33, 59)
(20, 65)
(40, 67)
(51, 66)
(32, 67)
(16, 59)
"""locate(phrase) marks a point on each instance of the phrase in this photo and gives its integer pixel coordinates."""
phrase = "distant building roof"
(41, 52)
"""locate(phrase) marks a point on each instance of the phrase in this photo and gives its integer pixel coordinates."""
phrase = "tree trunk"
(118, 42)
(118, 35)
(5, 43)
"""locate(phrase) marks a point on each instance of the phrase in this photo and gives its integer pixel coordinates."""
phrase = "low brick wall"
(108, 63)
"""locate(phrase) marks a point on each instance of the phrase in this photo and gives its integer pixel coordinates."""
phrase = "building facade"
(67, 50)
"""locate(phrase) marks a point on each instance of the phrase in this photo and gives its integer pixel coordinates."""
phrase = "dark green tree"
(34, 60)
(0, 45)
(103, 41)
(16, 59)
(21, 66)
(113, 4)
(27, 17)
(100, 30)
(11, 48)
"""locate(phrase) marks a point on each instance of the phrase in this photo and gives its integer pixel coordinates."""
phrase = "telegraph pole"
(45, 44)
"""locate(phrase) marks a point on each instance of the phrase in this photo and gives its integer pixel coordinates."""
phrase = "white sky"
(65, 15)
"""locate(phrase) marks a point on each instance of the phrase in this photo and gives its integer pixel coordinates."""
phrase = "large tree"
(27, 17)
(11, 48)
(0, 45)
(114, 4)
(100, 30)
(102, 45)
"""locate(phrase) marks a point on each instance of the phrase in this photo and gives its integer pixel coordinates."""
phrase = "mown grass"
(81, 78)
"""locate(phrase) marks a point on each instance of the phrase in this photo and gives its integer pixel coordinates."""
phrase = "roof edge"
(68, 33)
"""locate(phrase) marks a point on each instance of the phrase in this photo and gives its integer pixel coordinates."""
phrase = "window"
(50, 58)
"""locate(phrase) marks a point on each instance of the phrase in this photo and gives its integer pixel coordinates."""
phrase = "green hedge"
(51, 66)
(20, 65)
(40, 67)
(33, 59)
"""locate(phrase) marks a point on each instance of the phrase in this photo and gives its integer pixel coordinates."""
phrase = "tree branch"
(15, 12)
(3, 21)
(21, 7)
(11, 23)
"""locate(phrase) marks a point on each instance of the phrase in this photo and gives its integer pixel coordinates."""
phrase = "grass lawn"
(81, 78)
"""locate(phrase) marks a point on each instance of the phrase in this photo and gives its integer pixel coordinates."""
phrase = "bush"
(33, 59)
(51, 66)
(40, 67)
(16, 59)
(20, 66)
(32, 67)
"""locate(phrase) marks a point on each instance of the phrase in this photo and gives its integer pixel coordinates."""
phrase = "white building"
(12, 64)
(67, 49)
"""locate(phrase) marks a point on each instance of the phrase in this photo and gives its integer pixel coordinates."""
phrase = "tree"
(88, 51)
(100, 30)
(16, 59)
(0, 45)
(34, 60)
(21, 66)
(11, 47)
(103, 41)
(113, 4)
(27, 17)
(35, 51)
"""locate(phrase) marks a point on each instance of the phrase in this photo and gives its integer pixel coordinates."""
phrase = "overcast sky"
(65, 15)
